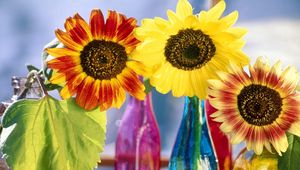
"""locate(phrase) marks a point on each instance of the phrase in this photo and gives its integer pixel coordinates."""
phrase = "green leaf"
(48, 74)
(290, 159)
(31, 68)
(53, 135)
(148, 86)
(51, 87)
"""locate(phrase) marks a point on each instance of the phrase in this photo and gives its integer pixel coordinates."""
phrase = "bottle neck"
(146, 103)
(191, 105)
(140, 109)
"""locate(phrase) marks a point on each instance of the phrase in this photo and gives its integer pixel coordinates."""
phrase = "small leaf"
(31, 68)
(290, 159)
(48, 74)
(53, 135)
(148, 86)
(51, 87)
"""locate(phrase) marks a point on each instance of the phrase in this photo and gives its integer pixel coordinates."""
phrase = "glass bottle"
(186, 151)
(16, 85)
(193, 149)
(138, 139)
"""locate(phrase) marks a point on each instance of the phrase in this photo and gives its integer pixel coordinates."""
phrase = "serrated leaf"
(53, 135)
(290, 159)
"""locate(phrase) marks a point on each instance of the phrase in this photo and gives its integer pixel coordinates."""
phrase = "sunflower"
(95, 61)
(187, 50)
(258, 108)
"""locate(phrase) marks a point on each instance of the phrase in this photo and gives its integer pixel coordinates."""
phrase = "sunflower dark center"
(102, 59)
(189, 49)
(259, 105)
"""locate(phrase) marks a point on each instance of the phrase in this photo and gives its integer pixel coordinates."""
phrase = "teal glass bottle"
(192, 149)
(186, 150)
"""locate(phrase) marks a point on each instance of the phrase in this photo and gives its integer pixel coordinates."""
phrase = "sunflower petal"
(173, 17)
(118, 93)
(97, 24)
(216, 12)
(71, 86)
(67, 40)
(63, 62)
(130, 82)
(111, 25)
(92, 100)
(295, 128)
(126, 28)
(59, 52)
(184, 9)
(139, 68)
(290, 76)
(76, 31)
(106, 95)
(83, 90)
(230, 19)
(58, 78)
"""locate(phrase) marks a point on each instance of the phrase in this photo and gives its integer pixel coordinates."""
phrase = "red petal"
(76, 31)
(83, 92)
(71, 87)
(111, 25)
(92, 101)
(63, 62)
(77, 16)
(97, 23)
(106, 95)
(130, 82)
(71, 72)
(67, 40)
(126, 28)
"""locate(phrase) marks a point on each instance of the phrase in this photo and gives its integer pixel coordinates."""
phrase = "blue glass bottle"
(192, 138)
(186, 151)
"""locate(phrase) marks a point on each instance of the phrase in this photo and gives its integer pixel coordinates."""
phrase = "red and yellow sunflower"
(258, 108)
(95, 61)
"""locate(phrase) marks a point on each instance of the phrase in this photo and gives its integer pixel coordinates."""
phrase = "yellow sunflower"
(95, 61)
(258, 108)
(187, 50)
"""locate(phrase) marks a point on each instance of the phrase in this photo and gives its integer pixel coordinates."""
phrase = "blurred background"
(28, 25)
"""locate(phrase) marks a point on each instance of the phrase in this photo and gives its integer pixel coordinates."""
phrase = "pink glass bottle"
(138, 140)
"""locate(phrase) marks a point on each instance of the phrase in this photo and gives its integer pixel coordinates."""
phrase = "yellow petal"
(119, 93)
(184, 9)
(230, 19)
(238, 32)
(139, 68)
(216, 12)
(160, 23)
(58, 52)
(173, 17)
(58, 78)
(163, 78)
(295, 128)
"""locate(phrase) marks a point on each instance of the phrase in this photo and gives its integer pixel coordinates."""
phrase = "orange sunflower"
(258, 108)
(95, 61)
